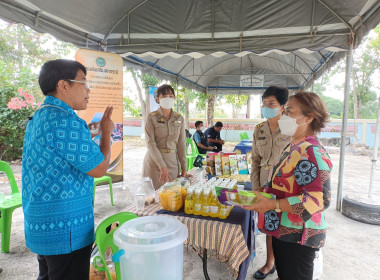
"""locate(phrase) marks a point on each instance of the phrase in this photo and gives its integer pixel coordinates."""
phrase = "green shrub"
(14, 110)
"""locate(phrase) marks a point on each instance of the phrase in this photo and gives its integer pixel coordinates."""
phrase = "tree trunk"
(139, 91)
(210, 109)
(187, 126)
(147, 101)
(248, 114)
(233, 111)
(355, 95)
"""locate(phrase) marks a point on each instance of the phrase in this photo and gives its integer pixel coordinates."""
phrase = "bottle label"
(197, 207)
(206, 209)
(214, 209)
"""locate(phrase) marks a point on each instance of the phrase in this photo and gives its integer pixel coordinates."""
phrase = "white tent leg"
(344, 128)
(374, 156)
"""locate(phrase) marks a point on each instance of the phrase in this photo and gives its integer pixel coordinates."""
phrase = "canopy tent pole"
(344, 127)
(177, 94)
(374, 155)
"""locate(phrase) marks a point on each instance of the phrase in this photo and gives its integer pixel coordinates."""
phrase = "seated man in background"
(200, 139)
(213, 136)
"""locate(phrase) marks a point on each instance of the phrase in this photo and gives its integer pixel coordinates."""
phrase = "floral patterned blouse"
(302, 176)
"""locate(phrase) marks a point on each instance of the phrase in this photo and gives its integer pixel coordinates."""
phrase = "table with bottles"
(214, 230)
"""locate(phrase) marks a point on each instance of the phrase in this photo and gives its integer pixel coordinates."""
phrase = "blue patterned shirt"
(56, 191)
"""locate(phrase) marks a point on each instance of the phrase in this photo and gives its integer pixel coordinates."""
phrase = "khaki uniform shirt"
(166, 143)
(266, 150)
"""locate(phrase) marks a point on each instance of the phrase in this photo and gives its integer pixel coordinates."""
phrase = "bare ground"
(352, 249)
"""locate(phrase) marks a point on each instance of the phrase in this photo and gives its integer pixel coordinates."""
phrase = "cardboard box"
(233, 165)
(226, 165)
(242, 164)
(210, 163)
(218, 165)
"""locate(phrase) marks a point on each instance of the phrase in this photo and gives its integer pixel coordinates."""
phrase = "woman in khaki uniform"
(268, 143)
(166, 141)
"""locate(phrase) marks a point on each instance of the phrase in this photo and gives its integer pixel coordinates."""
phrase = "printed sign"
(251, 80)
(105, 74)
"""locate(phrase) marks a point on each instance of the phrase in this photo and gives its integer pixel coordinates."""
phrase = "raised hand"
(106, 123)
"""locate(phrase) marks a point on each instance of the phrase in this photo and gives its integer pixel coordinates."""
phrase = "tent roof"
(209, 44)
(223, 74)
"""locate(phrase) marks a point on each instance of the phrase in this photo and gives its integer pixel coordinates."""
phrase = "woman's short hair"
(312, 105)
(55, 70)
(163, 89)
(279, 92)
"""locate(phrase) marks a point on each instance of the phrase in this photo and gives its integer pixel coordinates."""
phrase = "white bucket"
(153, 248)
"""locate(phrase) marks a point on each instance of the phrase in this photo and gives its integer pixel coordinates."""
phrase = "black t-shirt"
(211, 133)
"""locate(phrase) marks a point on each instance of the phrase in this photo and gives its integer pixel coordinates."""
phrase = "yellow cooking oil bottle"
(214, 205)
(206, 202)
(197, 202)
(189, 201)
(223, 212)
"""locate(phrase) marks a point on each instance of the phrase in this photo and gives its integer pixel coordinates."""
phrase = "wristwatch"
(278, 210)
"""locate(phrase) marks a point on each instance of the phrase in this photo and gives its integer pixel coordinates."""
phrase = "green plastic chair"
(243, 135)
(102, 180)
(104, 240)
(10, 203)
(246, 135)
(190, 157)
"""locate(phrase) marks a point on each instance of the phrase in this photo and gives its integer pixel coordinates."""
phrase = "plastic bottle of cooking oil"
(214, 205)
(223, 212)
(197, 202)
(189, 202)
(206, 202)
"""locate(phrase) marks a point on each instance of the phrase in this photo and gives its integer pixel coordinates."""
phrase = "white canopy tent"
(210, 44)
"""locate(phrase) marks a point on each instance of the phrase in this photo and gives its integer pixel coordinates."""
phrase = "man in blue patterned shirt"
(59, 162)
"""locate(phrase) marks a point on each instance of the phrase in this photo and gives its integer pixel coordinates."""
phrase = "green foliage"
(366, 62)
(11, 134)
(237, 101)
(201, 102)
(148, 80)
(130, 107)
(334, 106)
(22, 53)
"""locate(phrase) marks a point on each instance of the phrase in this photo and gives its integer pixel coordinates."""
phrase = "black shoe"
(259, 275)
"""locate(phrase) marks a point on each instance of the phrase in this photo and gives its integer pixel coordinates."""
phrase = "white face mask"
(288, 125)
(167, 102)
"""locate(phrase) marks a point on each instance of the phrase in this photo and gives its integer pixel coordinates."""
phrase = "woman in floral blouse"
(300, 181)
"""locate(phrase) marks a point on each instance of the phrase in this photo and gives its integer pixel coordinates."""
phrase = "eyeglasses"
(86, 83)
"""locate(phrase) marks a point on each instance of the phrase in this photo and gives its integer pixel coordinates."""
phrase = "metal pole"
(177, 96)
(344, 128)
(374, 155)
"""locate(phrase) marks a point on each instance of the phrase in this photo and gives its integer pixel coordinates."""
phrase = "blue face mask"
(269, 113)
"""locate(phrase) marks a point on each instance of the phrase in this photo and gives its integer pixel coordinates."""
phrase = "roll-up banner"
(105, 74)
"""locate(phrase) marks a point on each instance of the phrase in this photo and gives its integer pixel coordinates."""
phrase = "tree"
(143, 82)
(184, 98)
(148, 81)
(362, 76)
(22, 51)
(237, 102)
(362, 101)
(130, 107)
(248, 114)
